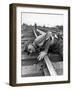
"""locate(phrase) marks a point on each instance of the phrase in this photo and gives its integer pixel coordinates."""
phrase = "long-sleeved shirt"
(42, 43)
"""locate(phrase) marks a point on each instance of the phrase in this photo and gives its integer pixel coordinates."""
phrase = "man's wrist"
(45, 52)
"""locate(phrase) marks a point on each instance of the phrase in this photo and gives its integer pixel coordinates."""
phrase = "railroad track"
(34, 69)
(31, 68)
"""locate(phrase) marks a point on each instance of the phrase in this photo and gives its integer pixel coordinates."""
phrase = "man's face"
(31, 49)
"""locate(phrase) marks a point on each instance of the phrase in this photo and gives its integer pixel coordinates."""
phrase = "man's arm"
(44, 52)
(47, 45)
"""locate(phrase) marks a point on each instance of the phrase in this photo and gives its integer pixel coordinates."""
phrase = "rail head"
(50, 66)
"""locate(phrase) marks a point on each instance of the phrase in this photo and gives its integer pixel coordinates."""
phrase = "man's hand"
(42, 55)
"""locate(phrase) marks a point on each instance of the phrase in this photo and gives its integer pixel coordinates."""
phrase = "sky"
(43, 19)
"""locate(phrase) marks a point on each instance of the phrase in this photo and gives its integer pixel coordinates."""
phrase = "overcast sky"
(42, 19)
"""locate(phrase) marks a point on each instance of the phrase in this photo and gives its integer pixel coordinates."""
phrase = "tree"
(44, 26)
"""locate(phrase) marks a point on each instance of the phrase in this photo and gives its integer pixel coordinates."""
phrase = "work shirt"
(49, 45)
(43, 43)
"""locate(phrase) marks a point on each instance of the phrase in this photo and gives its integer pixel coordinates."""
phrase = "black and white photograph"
(41, 46)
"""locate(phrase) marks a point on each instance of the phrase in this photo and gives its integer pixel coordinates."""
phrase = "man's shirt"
(43, 43)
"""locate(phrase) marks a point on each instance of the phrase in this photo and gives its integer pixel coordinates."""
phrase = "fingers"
(40, 57)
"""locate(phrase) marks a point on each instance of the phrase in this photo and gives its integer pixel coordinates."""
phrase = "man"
(44, 44)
